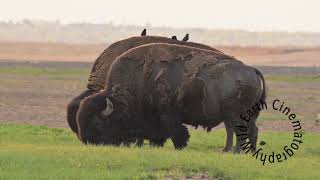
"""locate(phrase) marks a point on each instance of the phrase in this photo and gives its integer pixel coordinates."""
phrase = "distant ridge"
(84, 33)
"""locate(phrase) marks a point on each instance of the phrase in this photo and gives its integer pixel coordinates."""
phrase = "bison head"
(105, 119)
(73, 108)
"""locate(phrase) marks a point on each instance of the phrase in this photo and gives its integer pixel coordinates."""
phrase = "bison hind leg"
(229, 140)
(253, 137)
(253, 133)
(180, 137)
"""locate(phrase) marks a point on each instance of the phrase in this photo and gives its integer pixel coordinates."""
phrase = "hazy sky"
(287, 15)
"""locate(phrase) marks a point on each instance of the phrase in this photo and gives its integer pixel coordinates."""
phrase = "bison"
(153, 90)
(102, 64)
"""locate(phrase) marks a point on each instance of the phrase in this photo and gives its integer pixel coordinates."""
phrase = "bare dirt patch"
(276, 56)
(33, 51)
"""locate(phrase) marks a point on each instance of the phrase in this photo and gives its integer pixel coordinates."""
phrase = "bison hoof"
(226, 149)
(237, 151)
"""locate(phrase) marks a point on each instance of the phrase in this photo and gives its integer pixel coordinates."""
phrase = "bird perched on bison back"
(144, 32)
(186, 37)
(174, 37)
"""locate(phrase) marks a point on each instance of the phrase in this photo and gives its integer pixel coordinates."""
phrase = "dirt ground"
(267, 56)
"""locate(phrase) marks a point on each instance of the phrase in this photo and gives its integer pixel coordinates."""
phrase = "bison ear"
(109, 108)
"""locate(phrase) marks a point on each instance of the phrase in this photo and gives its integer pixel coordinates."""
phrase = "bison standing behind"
(100, 68)
(152, 90)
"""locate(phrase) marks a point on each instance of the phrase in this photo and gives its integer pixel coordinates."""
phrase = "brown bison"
(102, 64)
(152, 90)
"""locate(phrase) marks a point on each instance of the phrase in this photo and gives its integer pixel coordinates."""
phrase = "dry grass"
(49, 51)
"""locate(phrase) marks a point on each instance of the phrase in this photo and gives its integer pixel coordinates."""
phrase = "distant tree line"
(54, 31)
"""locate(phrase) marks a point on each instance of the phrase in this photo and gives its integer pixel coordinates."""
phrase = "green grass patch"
(60, 73)
(39, 152)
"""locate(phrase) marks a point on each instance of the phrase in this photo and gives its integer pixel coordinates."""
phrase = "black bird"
(174, 37)
(186, 38)
(144, 32)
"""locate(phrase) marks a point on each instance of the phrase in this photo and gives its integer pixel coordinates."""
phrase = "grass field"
(39, 152)
(38, 96)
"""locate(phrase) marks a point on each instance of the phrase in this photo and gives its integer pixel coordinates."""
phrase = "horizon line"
(149, 25)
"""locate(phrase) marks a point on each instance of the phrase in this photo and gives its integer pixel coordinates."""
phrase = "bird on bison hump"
(144, 32)
(100, 68)
(152, 98)
(174, 37)
(186, 38)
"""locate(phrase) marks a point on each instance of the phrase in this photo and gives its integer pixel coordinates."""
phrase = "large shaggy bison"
(152, 90)
(102, 64)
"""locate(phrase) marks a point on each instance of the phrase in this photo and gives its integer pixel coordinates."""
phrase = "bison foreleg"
(153, 142)
(177, 132)
(180, 137)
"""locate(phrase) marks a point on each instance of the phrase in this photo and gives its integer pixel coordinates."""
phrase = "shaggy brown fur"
(101, 66)
(155, 88)
(103, 62)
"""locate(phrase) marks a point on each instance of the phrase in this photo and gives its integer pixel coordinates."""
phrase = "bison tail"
(264, 94)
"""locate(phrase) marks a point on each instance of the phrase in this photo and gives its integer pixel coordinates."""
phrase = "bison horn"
(109, 108)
